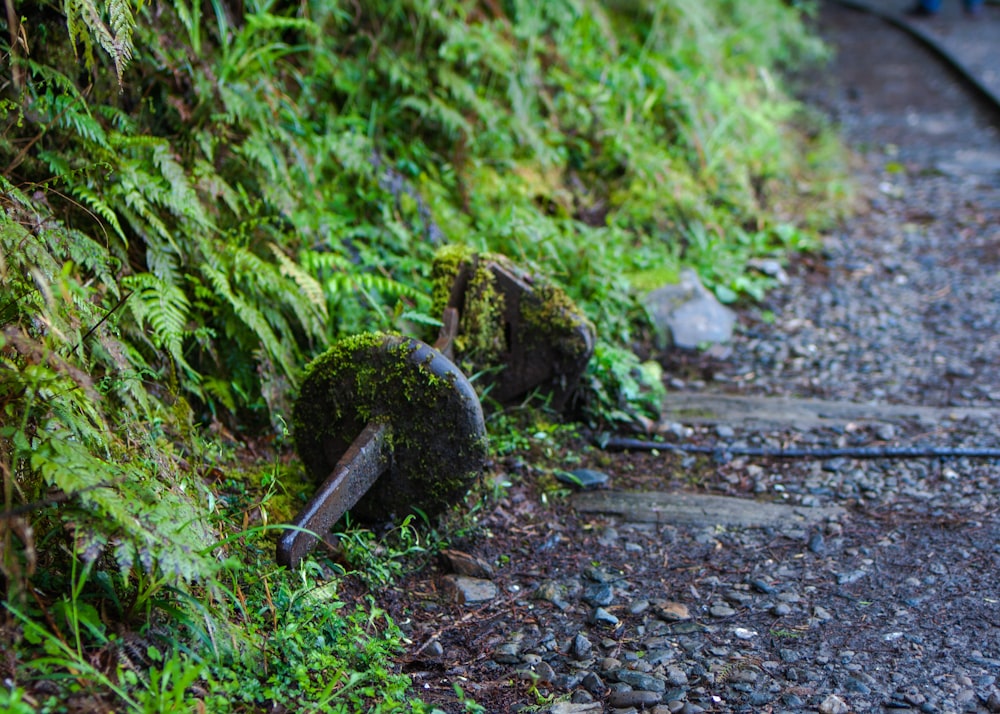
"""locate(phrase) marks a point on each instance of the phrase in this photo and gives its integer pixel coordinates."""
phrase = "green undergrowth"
(200, 197)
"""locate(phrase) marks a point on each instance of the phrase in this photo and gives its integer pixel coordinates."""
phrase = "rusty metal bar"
(367, 458)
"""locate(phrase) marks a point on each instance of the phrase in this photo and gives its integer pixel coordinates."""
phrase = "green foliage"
(621, 390)
(304, 648)
(379, 562)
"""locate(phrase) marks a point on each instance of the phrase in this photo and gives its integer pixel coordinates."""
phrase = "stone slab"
(698, 408)
(700, 510)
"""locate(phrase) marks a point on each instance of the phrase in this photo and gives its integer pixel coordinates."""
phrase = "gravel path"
(837, 585)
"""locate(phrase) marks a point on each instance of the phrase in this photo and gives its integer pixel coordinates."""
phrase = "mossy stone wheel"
(435, 441)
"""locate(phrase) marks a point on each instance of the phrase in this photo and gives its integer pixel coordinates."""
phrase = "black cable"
(855, 452)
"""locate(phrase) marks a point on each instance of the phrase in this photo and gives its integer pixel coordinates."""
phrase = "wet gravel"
(890, 605)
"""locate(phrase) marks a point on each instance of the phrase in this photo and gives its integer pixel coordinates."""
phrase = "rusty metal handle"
(368, 457)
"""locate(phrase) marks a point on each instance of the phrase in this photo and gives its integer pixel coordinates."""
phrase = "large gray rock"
(687, 315)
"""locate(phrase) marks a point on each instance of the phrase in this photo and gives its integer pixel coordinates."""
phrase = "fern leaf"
(122, 26)
(165, 308)
(251, 317)
(311, 287)
(100, 208)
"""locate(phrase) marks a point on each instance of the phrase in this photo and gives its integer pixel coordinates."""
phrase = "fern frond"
(311, 288)
(323, 263)
(250, 317)
(368, 282)
(122, 26)
(100, 208)
(86, 26)
(181, 198)
(165, 308)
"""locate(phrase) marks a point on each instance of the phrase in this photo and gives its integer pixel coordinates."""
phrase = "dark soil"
(893, 606)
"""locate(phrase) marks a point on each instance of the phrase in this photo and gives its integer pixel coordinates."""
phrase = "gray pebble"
(609, 664)
(507, 653)
(582, 647)
(598, 594)
(545, 672)
(600, 616)
(583, 479)
(676, 676)
(593, 684)
(834, 705)
(762, 585)
(640, 680)
(885, 432)
(721, 611)
(633, 698)
(638, 607)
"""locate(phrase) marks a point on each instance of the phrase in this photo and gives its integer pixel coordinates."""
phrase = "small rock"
(689, 314)
(465, 564)
(658, 657)
(793, 700)
(835, 465)
(821, 613)
(721, 611)
(466, 590)
(959, 369)
(600, 576)
(723, 431)
(507, 653)
(781, 609)
(555, 592)
(885, 432)
(600, 616)
(608, 538)
(583, 479)
(993, 703)
(544, 672)
(834, 705)
(771, 268)
(610, 664)
(582, 647)
(670, 611)
(593, 684)
(816, 543)
(677, 677)
(850, 577)
(633, 698)
(638, 607)
(598, 594)
(576, 708)
(640, 680)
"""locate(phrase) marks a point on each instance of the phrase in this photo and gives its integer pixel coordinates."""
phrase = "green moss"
(448, 261)
(552, 314)
(481, 339)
